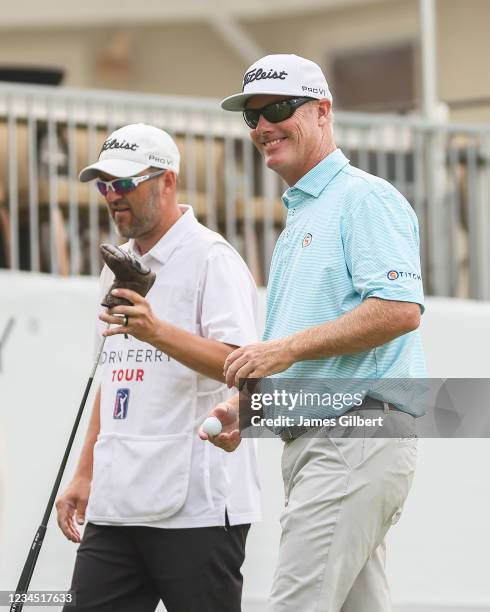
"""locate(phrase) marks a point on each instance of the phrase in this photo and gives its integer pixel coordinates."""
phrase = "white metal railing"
(50, 222)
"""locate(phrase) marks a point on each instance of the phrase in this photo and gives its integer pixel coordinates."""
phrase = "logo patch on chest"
(121, 404)
(307, 240)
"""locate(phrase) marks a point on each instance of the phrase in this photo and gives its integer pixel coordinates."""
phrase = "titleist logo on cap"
(257, 74)
(114, 143)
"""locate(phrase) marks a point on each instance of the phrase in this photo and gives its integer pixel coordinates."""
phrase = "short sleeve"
(228, 298)
(381, 245)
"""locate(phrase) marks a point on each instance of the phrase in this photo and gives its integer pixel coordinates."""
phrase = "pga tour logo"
(121, 404)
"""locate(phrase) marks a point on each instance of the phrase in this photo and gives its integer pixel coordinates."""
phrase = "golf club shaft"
(30, 564)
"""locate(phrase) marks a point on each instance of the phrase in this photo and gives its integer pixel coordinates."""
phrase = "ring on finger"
(125, 320)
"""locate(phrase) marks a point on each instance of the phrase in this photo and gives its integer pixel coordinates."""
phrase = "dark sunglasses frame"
(125, 184)
(274, 112)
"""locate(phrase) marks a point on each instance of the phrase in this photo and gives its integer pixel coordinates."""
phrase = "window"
(376, 80)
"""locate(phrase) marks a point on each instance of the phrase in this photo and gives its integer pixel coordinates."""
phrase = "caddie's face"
(287, 146)
(137, 213)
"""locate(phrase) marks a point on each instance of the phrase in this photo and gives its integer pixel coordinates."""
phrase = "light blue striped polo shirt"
(348, 236)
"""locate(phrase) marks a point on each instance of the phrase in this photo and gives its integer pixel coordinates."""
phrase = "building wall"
(69, 49)
(190, 58)
(185, 59)
(463, 52)
(320, 35)
(463, 44)
(181, 59)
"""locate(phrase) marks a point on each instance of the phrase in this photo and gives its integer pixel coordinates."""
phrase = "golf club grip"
(29, 565)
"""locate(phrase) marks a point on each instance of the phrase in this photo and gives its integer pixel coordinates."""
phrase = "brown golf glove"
(129, 273)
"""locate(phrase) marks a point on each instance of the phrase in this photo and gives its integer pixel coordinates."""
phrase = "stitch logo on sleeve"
(396, 274)
(121, 404)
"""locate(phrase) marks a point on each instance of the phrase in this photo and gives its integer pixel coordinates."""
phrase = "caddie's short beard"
(144, 218)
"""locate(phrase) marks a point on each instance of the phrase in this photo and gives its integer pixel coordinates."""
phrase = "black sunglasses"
(275, 112)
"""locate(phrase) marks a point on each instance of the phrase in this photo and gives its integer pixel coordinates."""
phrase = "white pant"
(342, 496)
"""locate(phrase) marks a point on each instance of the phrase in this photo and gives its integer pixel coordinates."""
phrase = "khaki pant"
(342, 496)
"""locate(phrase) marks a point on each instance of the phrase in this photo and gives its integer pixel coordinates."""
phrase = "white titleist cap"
(283, 75)
(133, 148)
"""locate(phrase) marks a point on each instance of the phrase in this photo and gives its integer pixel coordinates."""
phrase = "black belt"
(369, 403)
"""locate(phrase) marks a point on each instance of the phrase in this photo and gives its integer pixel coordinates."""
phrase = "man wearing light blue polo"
(349, 236)
(344, 301)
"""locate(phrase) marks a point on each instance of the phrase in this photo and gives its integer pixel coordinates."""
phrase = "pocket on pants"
(139, 478)
(350, 450)
(406, 460)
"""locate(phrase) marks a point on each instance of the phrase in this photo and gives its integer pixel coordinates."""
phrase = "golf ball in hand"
(212, 426)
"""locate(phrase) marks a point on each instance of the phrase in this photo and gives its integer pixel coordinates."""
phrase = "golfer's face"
(136, 213)
(287, 144)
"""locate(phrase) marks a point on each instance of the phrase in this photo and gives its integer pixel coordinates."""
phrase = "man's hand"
(229, 438)
(258, 360)
(373, 323)
(142, 323)
(71, 506)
